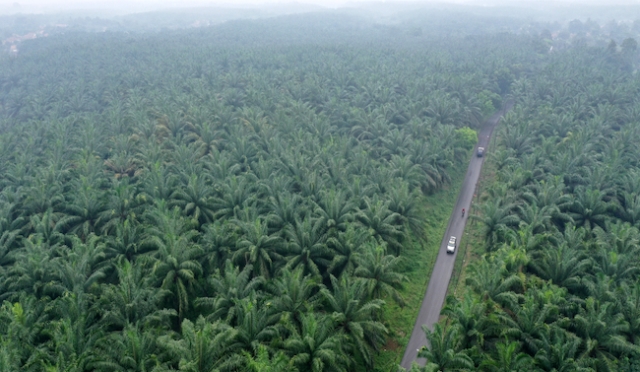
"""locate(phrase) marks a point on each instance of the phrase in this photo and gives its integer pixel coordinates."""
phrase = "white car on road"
(451, 247)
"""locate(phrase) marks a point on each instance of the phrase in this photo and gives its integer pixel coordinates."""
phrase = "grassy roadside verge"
(419, 261)
(471, 248)
(472, 243)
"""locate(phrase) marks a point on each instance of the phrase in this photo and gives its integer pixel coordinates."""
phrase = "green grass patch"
(472, 243)
(471, 248)
(419, 260)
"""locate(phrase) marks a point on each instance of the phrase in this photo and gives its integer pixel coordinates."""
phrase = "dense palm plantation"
(239, 198)
(557, 286)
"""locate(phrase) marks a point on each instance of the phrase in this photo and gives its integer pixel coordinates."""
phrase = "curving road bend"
(441, 275)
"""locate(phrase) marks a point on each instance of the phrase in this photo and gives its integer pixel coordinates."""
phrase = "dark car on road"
(480, 152)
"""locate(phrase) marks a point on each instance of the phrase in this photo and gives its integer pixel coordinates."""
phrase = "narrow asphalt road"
(441, 275)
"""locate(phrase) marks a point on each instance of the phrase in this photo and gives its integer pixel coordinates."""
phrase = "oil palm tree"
(186, 160)
(206, 136)
(619, 267)
(123, 164)
(216, 243)
(471, 316)
(559, 351)
(380, 273)
(44, 193)
(535, 218)
(130, 350)
(46, 226)
(589, 209)
(407, 170)
(335, 211)
(317, 347)
(196, 199)
(10, 356)
(201, 347)
(550, 193)
(515, 137)
(572, 168)
(132, 299)
(257, 248)
(171, 123)
(84, 208)
(284, 210)
(235, 193)
(23, 325)
(354, 314)
(507, 359)
(628, 304)
(408, 206)
(123, 203)
(10, 221)
(158, 182)
(264, 362)
(384, 224)
(7, 240)
(526, 322)
(254, 324)
(443, 109)
(630, 205)
(496, 218)
(563, 265)
(33, 271)
(126, 242)
(227, 290)
(294, 295)
(602, 331)
(74, 337)
(307, 248)
(346, 248)
(489, 279)
(619, 237)
(176, 267)
(444, 351)
(80, 268)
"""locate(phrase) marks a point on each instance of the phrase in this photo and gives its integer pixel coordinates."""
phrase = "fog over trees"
(264, 188)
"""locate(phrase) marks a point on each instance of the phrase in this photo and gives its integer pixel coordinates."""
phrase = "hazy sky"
(172, 3)
(138, 5)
